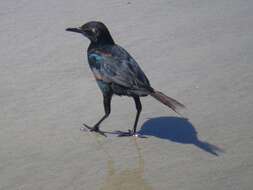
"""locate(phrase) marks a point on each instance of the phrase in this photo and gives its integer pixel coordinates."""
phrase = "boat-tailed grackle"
(116, 72)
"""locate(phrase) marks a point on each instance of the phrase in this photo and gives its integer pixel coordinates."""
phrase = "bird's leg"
(107, 107)
(138, 108)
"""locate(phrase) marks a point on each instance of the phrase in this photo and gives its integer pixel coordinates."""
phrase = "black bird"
(116, 72)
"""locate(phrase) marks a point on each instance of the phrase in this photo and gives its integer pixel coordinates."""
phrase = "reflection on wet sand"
(127, 179)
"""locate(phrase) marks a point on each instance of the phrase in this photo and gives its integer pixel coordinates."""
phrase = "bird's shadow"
(178, 130)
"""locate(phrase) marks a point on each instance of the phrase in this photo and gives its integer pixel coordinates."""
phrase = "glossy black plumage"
(116, 72)
(114, 66)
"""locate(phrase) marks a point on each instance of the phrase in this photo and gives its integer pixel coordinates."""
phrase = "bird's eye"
(93, 30)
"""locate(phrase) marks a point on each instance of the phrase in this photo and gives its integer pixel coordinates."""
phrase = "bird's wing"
(114, 64)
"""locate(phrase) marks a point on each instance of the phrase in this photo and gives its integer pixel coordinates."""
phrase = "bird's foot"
(92, 129)
(130, 133)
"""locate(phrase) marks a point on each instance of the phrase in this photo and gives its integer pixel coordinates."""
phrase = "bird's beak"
(78, 30)
(85, 32)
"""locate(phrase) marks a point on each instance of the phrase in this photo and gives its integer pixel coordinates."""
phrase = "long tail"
(168, 101)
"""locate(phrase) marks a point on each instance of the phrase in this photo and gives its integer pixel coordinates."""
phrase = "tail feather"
(168, 101)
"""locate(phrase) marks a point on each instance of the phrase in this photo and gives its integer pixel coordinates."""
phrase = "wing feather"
(117, 66)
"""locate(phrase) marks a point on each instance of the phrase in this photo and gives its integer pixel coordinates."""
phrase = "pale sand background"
(197, 51)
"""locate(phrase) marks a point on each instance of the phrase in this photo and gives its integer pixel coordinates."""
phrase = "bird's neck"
(104, 39)
(101, 43)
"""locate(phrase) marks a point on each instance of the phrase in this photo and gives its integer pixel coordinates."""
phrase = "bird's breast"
(93, 57)
(97, 75)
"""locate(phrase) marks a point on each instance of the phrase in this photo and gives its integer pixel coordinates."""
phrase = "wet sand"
(199, 52)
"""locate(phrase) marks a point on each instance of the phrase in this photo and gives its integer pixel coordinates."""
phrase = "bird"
(117, 73)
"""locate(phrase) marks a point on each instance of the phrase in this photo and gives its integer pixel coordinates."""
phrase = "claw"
(92, 129)
(130, 133)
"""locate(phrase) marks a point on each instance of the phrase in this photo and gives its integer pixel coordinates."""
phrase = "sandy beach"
(198, 52)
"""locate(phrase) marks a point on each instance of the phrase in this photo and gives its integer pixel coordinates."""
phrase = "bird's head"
(95, 31)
